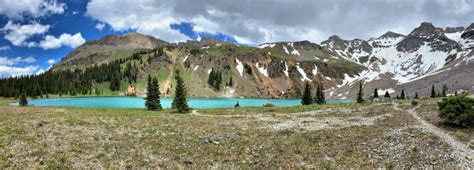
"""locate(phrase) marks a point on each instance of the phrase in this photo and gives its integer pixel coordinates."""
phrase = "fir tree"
(153, 95)
(433, 92)
(444, 91)
(237, 105)
(387, 95)
(97, 92)
(179, 101)
(360, 94)
(307, 99)
(416, 95)
(320, 96)
(402, 95)
(376, 93)
(23, 100)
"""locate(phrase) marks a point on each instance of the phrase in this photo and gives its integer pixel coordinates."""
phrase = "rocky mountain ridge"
(390, 62)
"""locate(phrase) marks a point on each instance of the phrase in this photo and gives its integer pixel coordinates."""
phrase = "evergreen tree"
(456, 93)
(444, 91)
(360, 94)
(153, 94)
(376, 93)
(387, 95)
(97, 92)
(402, 95)
(416, 95)
(307, 99)
(237, 105)
(179, 101)
(433, 92)
(320, 96)
(23, 100)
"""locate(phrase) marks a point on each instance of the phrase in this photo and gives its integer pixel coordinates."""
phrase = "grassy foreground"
(314, 136)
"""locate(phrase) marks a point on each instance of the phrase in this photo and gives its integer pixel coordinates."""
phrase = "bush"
(414, 102)
(457, 110)
(268, 105)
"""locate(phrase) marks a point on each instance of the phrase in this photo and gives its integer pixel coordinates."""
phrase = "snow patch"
(209, 71)
(239, 67)
(185, 58)
(303, 74)
(286, 70)
(315, 70)
(262, 70)
(266, 45)
(286, 49)
(195, 68)
(381, 92)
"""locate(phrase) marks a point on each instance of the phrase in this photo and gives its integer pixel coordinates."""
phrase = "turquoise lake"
(136, 102)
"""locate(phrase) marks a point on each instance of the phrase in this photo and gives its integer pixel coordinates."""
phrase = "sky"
(35, 34)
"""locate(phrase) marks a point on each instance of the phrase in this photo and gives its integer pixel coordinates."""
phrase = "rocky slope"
(391, 62)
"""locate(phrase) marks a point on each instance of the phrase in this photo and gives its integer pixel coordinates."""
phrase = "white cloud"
(5, 61)
(19, 34)
(4, 48)
(16, 71)
(280, 20)
(19, 9)
(100, 26)
(51, 61)
(51, 42)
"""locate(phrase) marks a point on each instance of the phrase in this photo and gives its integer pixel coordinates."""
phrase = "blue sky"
(37, 33)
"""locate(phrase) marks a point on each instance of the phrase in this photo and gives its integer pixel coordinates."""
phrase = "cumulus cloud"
(19, 34)
(5, 61)
(19, 9)
(100, 26)
(280, 20)
(17, 71)
(51, 42)
(8, 66)
(4, 48)
(51, 61)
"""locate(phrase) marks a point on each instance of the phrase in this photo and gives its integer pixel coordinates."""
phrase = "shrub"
(268, 105)
(237, 105)
(414, 102)
(457, 110)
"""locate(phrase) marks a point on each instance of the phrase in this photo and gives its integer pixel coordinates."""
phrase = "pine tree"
(23, 100)
(153, 95)
(433, 92)
(320, 97)
(97, 92)
(180, 102)
(387, 95)
(307, 99)
(456, 93)
(444, 91)
(402, 95)
(416, 95)
(376, 93)
(360, 94)
(237, 105)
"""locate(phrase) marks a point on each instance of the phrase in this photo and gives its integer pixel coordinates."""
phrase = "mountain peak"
(390, 34)
(471, 27)
(426, 30)
(129, 39)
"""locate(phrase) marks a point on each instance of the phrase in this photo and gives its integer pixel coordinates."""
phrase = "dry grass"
(41, 137)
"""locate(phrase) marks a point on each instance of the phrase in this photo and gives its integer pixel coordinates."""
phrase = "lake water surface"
(136, 102)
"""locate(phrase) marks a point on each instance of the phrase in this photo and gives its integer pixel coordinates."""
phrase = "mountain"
(391, 62)
(109, 48)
